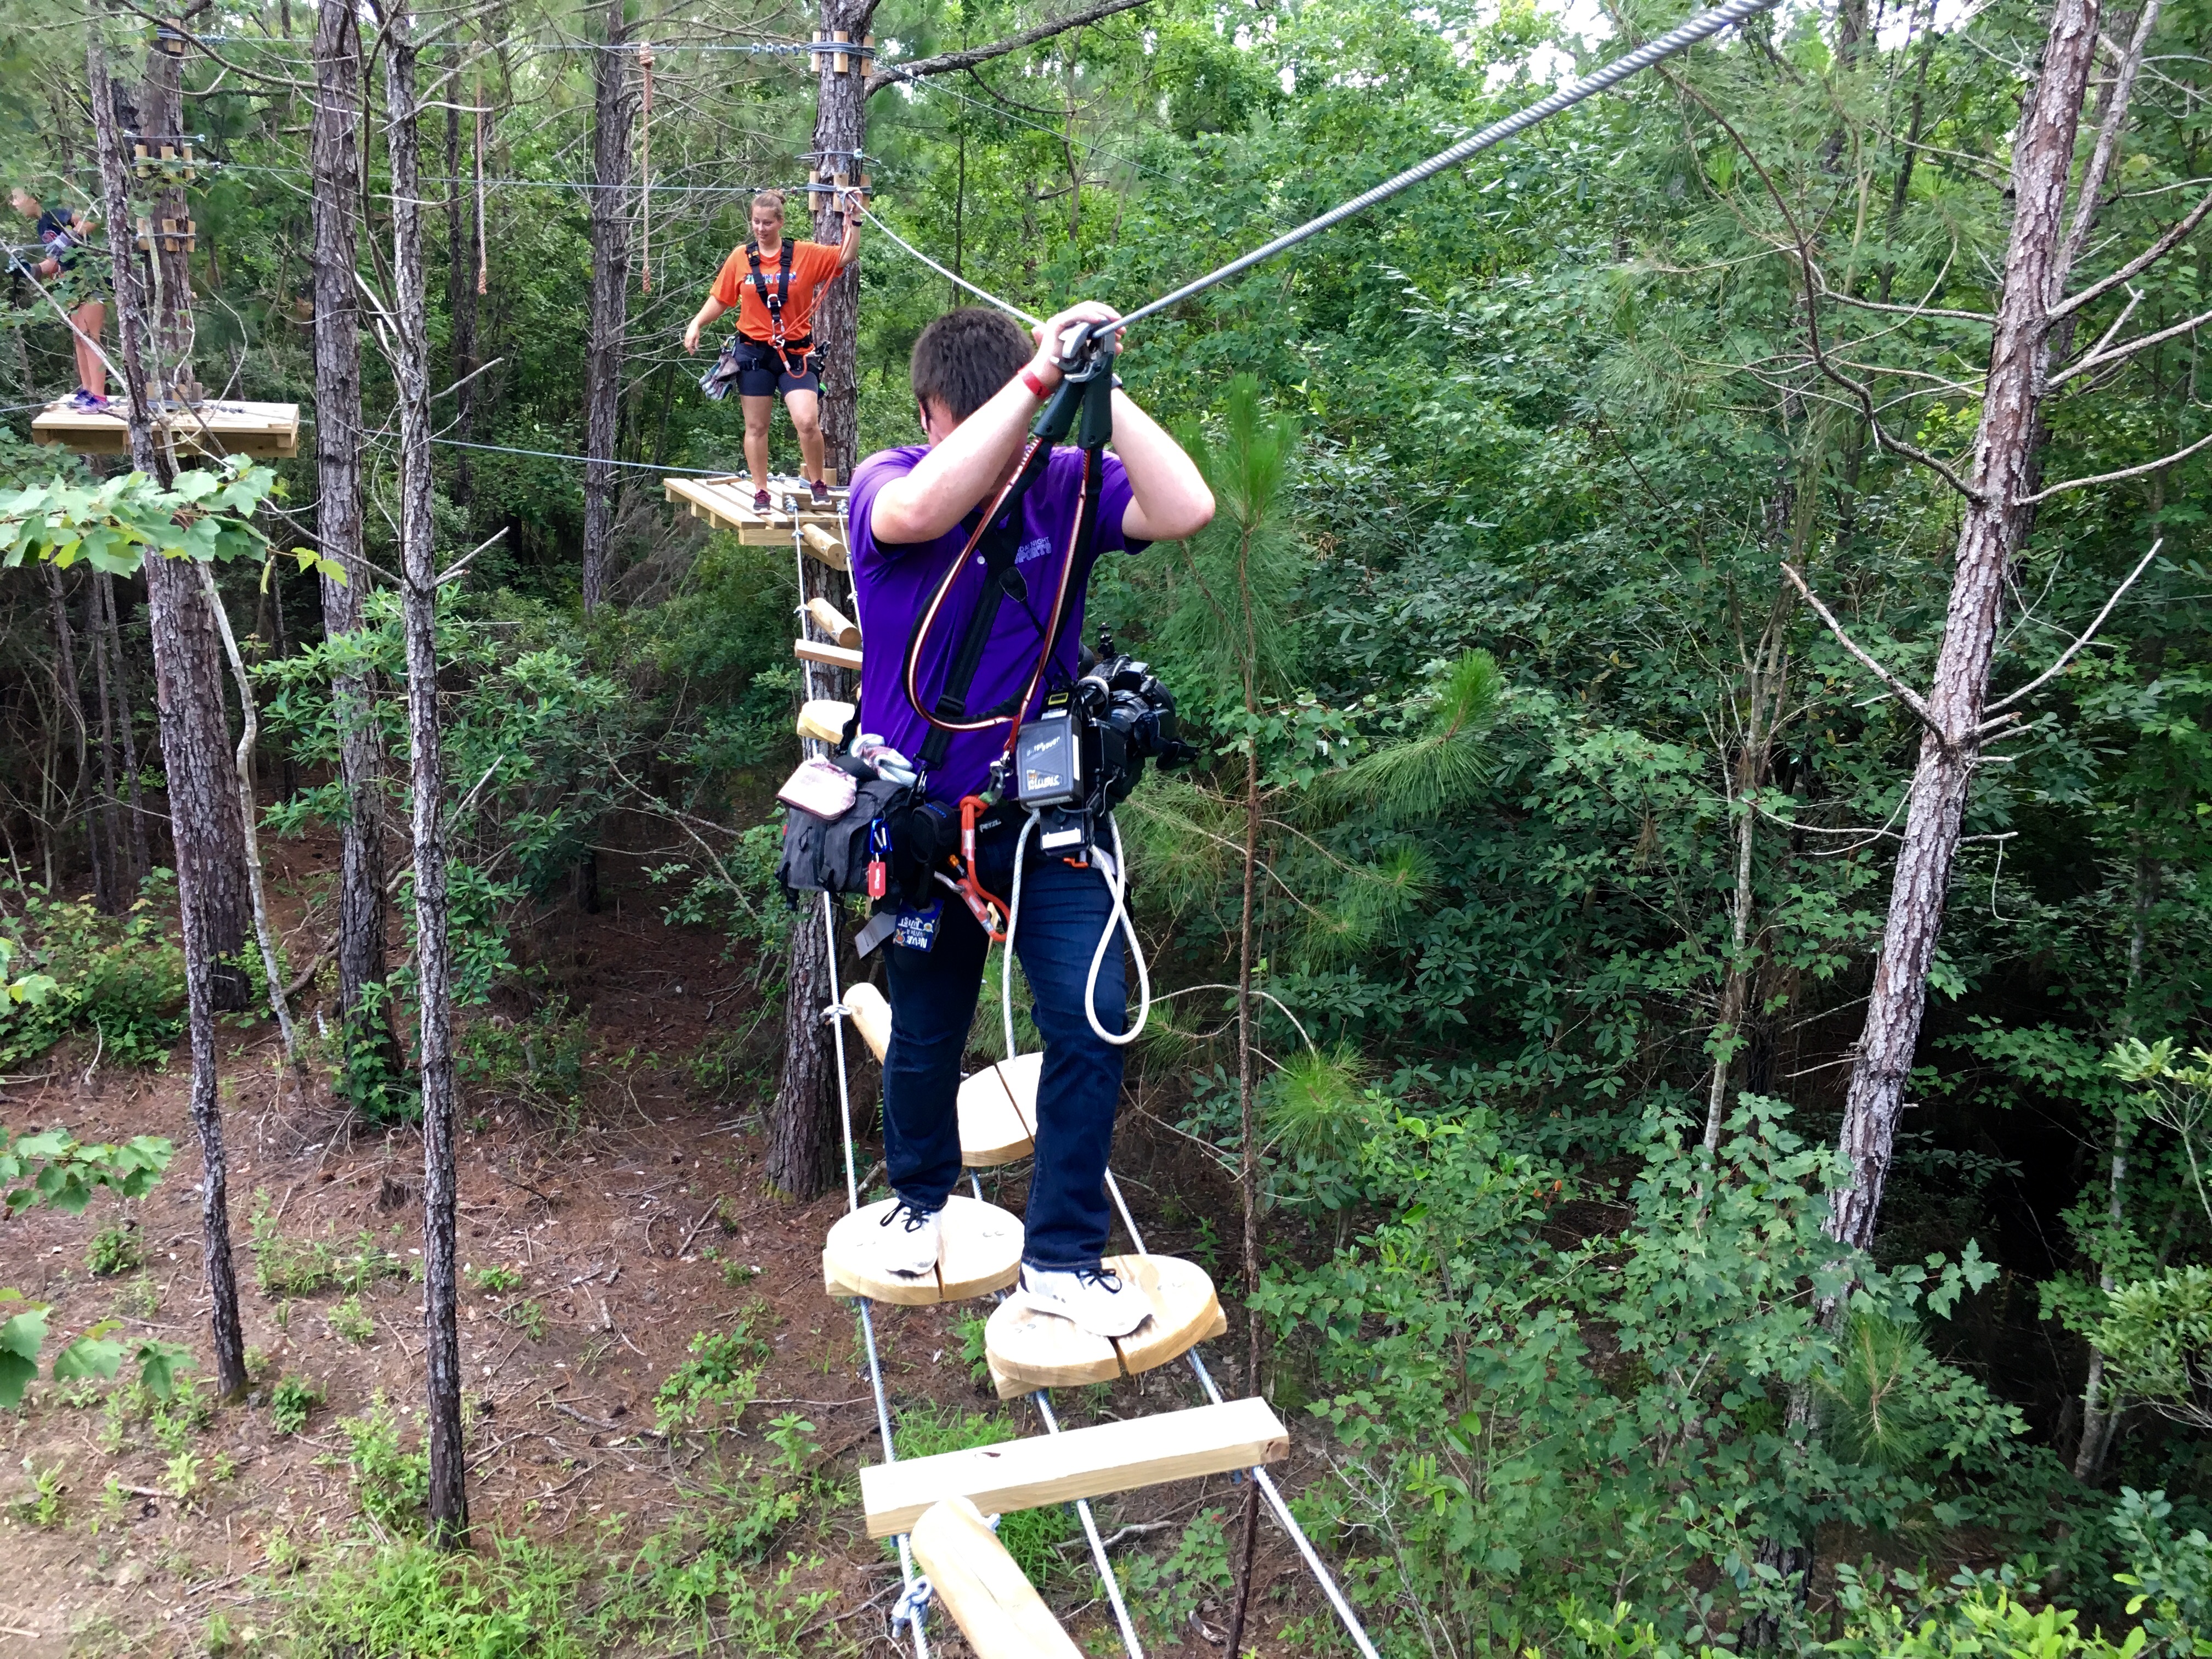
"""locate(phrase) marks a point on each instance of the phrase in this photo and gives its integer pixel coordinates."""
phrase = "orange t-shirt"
(812, 266)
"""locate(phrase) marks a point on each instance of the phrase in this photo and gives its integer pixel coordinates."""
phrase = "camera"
(1084, 752)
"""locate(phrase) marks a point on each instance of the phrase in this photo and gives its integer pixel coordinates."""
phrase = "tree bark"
(189, 806)
(613, 107)
(1988, 535)
(195, 729)
(81, 789)
(142, 856)
(802, 1119)
(97, 635)
(336, 163)
(448, 1494)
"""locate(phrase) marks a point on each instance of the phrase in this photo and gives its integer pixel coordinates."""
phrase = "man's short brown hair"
(964, 357)
(770, 198)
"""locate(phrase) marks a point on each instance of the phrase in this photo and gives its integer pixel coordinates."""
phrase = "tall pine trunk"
(336, 163)
(802, 1119)
(210, 835)
(448, 1494)
(142, 855)
(1989, 534)
(189, 808)
(613, 109)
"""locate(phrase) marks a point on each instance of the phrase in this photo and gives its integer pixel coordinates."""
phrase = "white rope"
(984, 294)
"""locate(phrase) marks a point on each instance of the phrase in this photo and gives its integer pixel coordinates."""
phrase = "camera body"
(1084, 752)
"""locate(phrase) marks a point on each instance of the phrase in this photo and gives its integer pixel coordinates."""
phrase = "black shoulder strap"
(1000, 545)
(774, 301)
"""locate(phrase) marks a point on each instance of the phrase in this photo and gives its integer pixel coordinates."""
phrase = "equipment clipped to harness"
(989, 910)
(793, 353)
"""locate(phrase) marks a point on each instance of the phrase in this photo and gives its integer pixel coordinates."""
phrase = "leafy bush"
(290, 1403)
(117, 980)
(515, 1600)
(539, 1060)
(720, 1377)
(391, 1483)
(114, 1250)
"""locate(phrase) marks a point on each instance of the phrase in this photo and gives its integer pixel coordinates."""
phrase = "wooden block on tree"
(1110, 1457)
(981, 1252)
(824, 718)
(824, 546)
(1030, 1350)
(829, 656)
(998, 1112)
(842, 629)
(994, 1604)
(870, 1014)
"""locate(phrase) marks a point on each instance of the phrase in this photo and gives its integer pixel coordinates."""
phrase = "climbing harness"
(792, 353)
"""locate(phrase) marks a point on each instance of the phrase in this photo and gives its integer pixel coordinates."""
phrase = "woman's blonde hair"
(770, 198)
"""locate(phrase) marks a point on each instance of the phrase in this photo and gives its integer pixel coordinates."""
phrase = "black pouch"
(821, 855)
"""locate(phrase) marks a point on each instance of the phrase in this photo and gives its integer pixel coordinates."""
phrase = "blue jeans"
(932, 998)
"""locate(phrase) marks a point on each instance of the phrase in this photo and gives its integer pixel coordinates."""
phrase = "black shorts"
(762, 372)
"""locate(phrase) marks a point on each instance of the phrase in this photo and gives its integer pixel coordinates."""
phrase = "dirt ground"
(608, 1226)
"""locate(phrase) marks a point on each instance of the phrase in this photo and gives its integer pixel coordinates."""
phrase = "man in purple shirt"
(978, 384)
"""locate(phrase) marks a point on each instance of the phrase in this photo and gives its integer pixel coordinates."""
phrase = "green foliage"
(1032, 1537)
(497, 1280)
(718, 1380)
(1163, 1592)
(389, 1482)
(285, 1267)
(291, 1401)
(114, 1250)
(41, 1507)
(118, 981)
(540, 1061)
(515, 1600)
(116, 525)
(350, 1322)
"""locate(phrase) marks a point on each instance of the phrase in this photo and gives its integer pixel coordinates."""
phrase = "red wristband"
(1036, 387)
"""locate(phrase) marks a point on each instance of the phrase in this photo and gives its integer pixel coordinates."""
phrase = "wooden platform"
(217, 427)
(1110, 1457)
(984, 1588)
(998, 1112)
(982, 1253)
(1029, 1350)
(726, 503)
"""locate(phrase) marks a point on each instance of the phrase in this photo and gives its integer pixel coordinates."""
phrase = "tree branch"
(2089, 199)
(2114, 478)
(2100, 357)
(2135, 267)
(946, 62)
(1903, 693)
(2087, 634)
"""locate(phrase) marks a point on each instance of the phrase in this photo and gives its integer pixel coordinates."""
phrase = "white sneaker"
(1096, 1300)
(910, 1241)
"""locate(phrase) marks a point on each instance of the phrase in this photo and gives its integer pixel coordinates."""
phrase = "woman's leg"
(758, 412)
(806, 408)
(90, 319)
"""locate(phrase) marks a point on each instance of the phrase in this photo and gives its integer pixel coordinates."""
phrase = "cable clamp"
(834, 1010)
(910, 1607)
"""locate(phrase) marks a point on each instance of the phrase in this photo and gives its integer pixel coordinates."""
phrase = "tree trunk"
(448, 1495)
(202, 805)
(73, 706)
(460, 299)
(802, 1119)
(335, 160)
(1989, 536)
(142, 856)
(97, 633)
(190, 806)
(613, 109)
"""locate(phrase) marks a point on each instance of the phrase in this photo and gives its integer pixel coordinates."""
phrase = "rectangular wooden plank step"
(984, 1588)
(265, 431)
(1110, 1457)
(829, 656)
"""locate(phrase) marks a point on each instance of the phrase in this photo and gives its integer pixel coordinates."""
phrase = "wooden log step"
(824, 546)
(1028, 1349)
(986, 1593)
(829, 656)
(981, 1251)
(870, 1014)
(833, 621)
(824, 718)
(998, 1112)
(1109, 1457)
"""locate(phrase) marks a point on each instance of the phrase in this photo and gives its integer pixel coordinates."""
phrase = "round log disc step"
(1030, 1350)
(998, 1112)
(981, 1251)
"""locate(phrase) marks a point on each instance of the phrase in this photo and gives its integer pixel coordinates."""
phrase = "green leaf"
(88, 1356)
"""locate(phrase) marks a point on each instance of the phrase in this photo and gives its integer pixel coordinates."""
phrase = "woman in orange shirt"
(774, 284)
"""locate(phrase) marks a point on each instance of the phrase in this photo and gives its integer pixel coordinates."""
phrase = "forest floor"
(621, 1234)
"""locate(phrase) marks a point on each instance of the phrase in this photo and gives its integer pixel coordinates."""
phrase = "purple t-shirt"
(892, 584)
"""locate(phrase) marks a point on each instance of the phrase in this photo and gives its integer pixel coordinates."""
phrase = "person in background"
(70, 271)
(774, 282)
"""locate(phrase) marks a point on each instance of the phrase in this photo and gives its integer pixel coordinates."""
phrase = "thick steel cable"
(1704, 24)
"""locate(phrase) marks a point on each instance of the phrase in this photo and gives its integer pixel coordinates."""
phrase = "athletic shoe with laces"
(911, 1238)
(760, 502)
(83, 397)
(1098, 1300)
(821, 491)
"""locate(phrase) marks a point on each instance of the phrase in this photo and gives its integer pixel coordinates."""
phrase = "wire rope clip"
(912, 1606)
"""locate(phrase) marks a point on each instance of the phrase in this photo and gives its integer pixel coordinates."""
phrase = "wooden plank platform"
(1026, 1349)
(982, 1587)
(217, 427)
(1110, 1457)
(726, 503)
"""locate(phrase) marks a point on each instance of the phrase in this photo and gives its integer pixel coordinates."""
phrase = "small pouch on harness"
(820, 786)
(832, 855)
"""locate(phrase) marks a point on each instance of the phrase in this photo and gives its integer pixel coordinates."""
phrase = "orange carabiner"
(989, 910)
